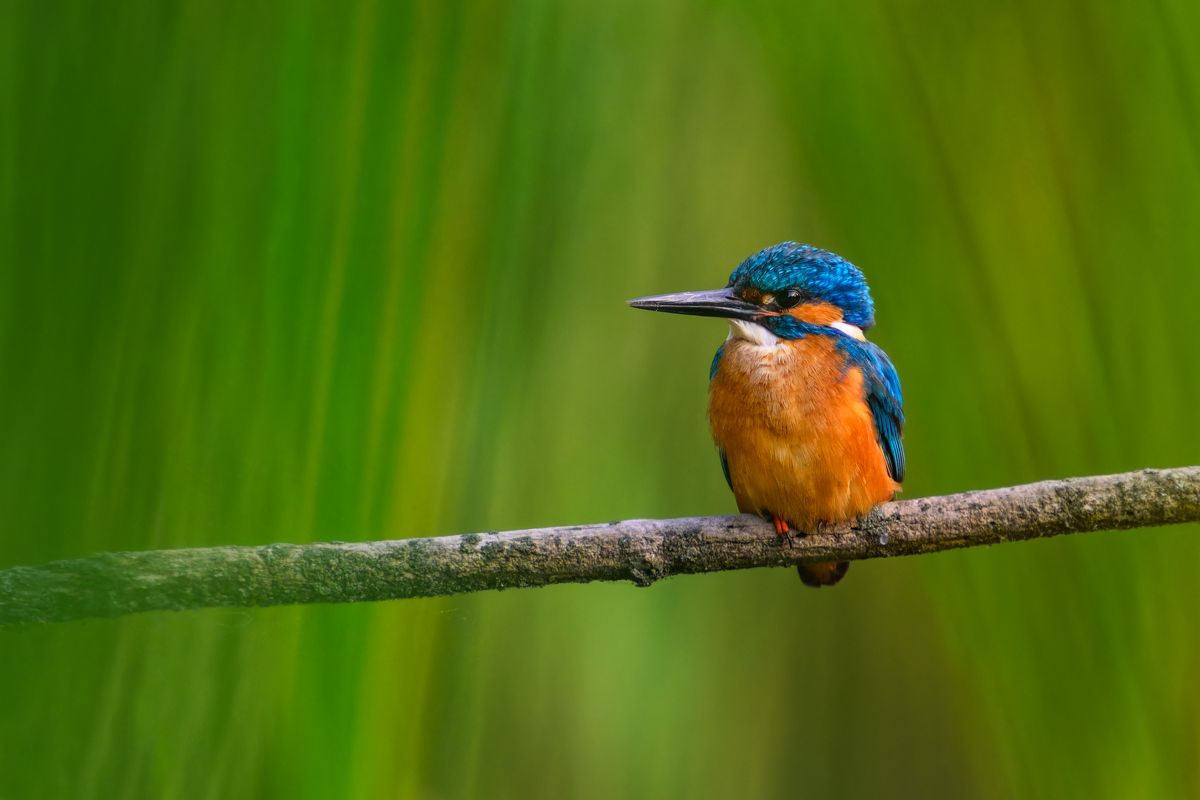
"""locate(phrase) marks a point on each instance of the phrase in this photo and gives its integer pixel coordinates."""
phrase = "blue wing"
(882, 386)
(716, 362)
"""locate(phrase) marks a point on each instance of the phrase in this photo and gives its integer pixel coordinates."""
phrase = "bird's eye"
(788, 298)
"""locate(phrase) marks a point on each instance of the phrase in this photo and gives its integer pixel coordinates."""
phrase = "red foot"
(783, 531)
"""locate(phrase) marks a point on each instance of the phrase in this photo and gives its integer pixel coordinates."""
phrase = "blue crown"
(821, 275)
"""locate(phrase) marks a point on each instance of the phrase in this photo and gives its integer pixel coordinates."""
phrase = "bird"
(806, 413)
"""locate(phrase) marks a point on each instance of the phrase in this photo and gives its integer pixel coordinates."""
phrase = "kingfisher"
(806, 413)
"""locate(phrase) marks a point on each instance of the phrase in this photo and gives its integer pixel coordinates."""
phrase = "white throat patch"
(752, 332)
(758, 335)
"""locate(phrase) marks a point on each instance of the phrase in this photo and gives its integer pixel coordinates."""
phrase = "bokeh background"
(307, 270)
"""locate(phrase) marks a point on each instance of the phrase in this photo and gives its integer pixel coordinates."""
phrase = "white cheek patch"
(758, 335)
(754, 333)
(853, 331)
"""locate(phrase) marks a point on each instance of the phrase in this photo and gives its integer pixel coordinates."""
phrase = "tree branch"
(642, 551)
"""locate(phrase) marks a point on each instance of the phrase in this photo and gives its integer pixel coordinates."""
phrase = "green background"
(304, 271)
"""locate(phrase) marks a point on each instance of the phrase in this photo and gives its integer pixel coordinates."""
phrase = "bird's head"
(784, 291)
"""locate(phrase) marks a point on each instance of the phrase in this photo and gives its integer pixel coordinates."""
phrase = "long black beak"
(715, 303)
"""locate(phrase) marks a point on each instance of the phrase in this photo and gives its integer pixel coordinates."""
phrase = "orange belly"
(797, 433)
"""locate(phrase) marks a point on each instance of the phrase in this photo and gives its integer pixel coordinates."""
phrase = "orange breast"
(797, 432)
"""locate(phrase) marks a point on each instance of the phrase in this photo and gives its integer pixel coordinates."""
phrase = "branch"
(642, 551)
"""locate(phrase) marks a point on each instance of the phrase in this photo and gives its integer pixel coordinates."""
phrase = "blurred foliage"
(356, 270)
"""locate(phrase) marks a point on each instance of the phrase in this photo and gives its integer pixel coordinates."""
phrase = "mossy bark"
(642, 551)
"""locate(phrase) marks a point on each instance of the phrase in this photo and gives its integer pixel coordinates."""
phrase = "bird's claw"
(784, 532)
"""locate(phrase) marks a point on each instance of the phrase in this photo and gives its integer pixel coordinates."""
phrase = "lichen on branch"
(640, 550)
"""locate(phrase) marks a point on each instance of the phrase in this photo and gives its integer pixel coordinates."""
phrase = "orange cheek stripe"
(816, 313)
